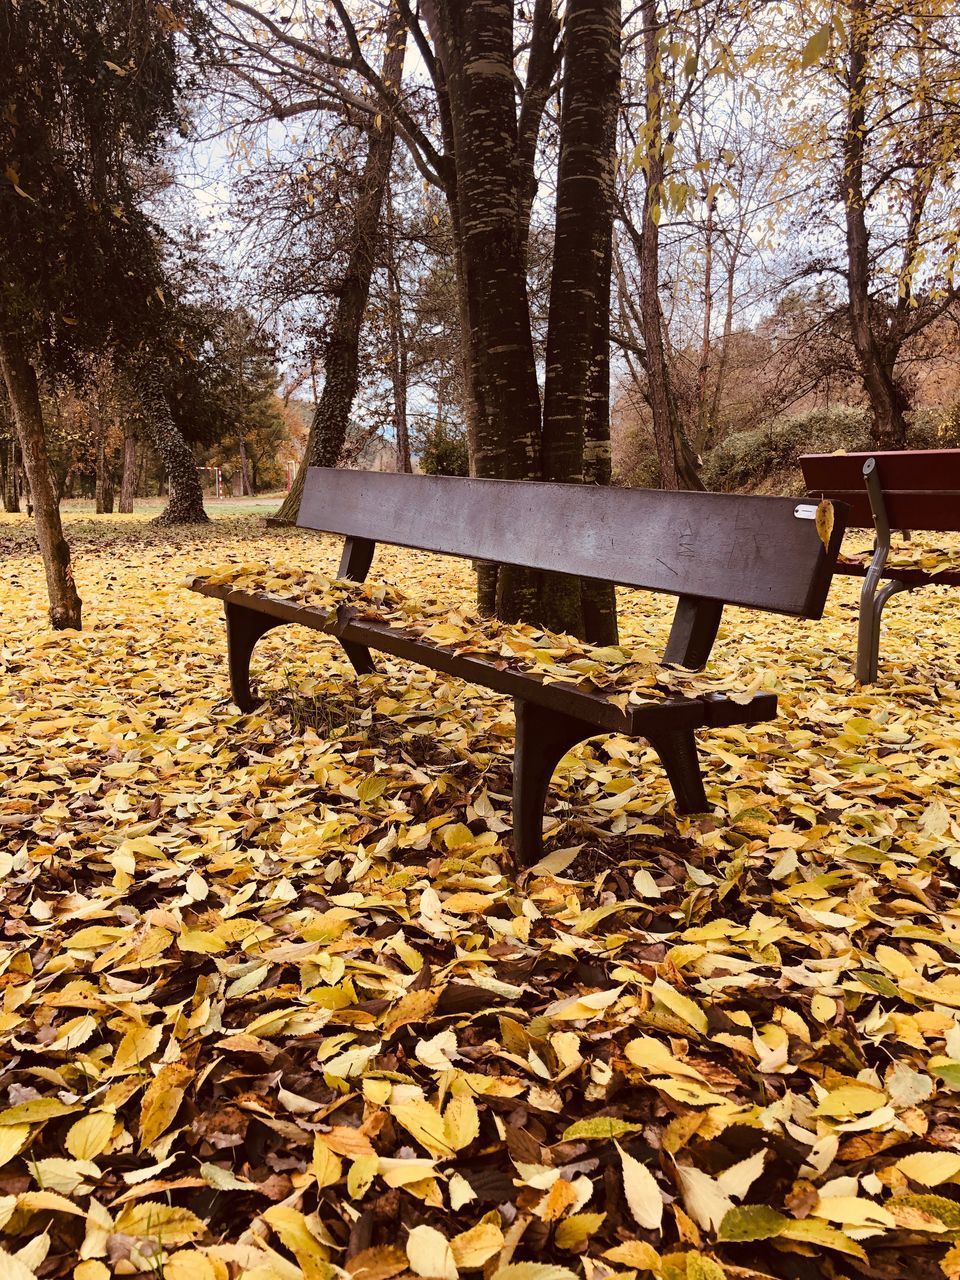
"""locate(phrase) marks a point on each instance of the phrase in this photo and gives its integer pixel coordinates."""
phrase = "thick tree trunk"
(21, 382)
(128, 482)
(475, 48)
(185, 500)
(331, 417)
(576, 399)
(876, 357)
(678, 466)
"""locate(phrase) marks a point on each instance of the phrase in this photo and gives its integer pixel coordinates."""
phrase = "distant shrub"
(640, 471)
(766, 458)
(443, 452)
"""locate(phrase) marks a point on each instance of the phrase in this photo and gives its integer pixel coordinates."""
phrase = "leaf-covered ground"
(275, 1003)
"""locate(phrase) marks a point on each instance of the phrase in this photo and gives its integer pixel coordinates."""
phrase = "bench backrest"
(752, 551)
(921, 487)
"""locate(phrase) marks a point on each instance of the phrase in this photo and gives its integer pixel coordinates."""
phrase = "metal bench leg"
(677, 749)
(543, 738)
(873, 596)
(244, 628)
(868, 635)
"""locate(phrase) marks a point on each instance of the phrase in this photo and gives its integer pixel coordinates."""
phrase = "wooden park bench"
(709, 549)
(910, 490)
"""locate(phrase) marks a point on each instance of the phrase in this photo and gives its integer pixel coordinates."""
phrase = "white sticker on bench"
(805, 511)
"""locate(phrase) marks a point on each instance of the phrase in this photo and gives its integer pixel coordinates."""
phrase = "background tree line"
(576, 241)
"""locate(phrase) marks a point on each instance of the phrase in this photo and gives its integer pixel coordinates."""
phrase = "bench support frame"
(244, 628)
(543, 738)
(355, 562)
(873, 595)
(694, 630)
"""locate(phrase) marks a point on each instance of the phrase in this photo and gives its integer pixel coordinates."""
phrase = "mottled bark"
(185, 492)
(678, 465)
(128, 482)
(475, 49)
(876, 355)
(577, 386)
(21, 382)
(331, 418)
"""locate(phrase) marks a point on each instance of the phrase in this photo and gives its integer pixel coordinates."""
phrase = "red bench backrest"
(921, 487)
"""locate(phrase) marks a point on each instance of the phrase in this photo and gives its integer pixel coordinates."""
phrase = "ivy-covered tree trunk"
(576, 410)
(185, 496)
(331, 417)
(876, 355)
(11, 480)
(21, 382)
(678, 465)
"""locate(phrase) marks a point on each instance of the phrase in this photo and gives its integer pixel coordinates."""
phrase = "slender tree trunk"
(11, 479)
(542, 63)
(703, 365)
(719, 385)
(576, 412)
(876, 358)
(398, 346)
(21, 381)
(128, 482)
(185, 500)
(246, 488)
(341, 365)
(678, 466)
(103, 493)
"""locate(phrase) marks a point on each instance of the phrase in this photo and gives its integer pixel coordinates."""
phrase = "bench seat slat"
(751, 551)
(590, 705)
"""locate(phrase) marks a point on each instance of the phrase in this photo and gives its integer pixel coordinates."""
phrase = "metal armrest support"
(873, 596)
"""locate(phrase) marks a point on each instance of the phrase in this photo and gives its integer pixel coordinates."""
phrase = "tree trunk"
(877, 358)
(331, 417)
(21, 381)
(398, 346)
(706, 344)
(103, 494)
(11, 485)
(576, 411)
(678, 466)
(475, 49)
(128, 483)
(246, 487)
(185, 500)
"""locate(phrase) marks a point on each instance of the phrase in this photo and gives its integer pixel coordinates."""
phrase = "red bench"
(917, 489)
